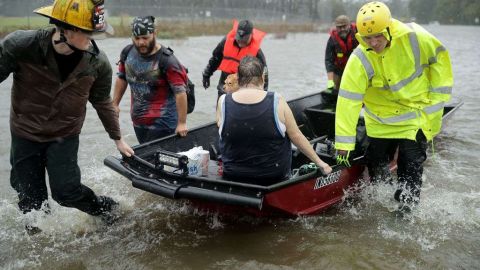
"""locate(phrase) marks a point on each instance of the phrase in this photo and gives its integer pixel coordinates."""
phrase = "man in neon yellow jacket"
(402, 76)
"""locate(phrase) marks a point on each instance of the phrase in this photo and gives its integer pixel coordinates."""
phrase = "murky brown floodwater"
(156, 233)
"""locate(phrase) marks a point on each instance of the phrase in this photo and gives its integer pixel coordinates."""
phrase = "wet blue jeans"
(145, 135)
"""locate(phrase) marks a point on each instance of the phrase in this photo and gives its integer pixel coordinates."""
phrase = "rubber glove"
(206, 81)
(343, 158)
(330, 84)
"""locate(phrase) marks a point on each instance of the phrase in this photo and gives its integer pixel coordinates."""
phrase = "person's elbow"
(295, 136)
(181, 95)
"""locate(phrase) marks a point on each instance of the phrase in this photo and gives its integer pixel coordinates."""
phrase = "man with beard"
(158, 84)
(340, 45)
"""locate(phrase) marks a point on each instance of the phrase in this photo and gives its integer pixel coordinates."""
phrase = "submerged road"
(155, 233)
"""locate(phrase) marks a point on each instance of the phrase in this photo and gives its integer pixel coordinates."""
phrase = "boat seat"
(322, 121)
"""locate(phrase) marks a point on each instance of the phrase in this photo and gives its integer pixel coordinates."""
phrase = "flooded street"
(156, 233)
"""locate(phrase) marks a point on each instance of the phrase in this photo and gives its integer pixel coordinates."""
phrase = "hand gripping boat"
(306, 193)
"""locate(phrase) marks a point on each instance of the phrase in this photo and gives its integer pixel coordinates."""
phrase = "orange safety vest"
(233, 54)
(343, 50)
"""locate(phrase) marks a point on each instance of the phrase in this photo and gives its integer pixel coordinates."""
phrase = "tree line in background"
(422, 11)
(446, 11)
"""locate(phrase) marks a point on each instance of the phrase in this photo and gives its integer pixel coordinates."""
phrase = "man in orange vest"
(241, 41)
(340, 45)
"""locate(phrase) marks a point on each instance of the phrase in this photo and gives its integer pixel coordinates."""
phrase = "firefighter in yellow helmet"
(56, 72)
(402, 76)
(86, 16)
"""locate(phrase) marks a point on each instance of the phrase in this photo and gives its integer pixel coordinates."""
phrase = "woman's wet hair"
(250, 71)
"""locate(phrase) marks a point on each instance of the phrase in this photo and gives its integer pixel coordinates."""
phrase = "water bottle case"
(307, 168)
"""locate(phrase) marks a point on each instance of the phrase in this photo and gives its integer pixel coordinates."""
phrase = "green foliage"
(337, 8)
(34, 21)
(446, 11)
(166, 29)
(471, 12)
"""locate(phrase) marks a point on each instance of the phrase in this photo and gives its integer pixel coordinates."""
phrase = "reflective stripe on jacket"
(233, 54)
(403, 88)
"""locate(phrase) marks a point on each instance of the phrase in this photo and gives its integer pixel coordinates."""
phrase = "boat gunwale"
(168, 184)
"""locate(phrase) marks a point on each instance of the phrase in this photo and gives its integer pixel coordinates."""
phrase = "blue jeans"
(145, 135)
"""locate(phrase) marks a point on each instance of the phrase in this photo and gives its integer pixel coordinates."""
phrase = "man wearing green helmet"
(56, 72)
(402, 76)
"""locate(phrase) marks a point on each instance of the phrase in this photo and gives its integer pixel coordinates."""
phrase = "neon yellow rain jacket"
(403, 88)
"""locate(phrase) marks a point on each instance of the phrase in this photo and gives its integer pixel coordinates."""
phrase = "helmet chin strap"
(63, 39)
(389, 35)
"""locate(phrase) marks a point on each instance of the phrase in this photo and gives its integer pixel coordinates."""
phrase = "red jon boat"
(305, 193)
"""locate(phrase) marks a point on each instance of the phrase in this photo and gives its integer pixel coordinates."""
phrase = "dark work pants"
(411, 155)
(146, 135)
(29, 160)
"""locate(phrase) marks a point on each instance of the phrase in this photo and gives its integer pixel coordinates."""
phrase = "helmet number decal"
(99, 16)
(75, 6)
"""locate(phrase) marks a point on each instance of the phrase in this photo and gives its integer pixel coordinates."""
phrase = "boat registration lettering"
(327, 180)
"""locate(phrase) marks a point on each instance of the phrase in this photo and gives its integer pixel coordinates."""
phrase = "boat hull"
(309, 193)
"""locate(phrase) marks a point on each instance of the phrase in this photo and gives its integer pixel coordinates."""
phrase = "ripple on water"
(361, 233)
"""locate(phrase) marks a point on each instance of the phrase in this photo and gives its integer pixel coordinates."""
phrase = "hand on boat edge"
(324, 168)
(181, 129)
(124, 148)
(343, 158)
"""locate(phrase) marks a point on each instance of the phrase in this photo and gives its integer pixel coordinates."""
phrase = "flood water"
(156, 233)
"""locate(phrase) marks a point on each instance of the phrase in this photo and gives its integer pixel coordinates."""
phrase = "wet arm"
(298, 139)
(329, 58)
(176, 76)
(181, 102)
(219, 113)
(7, 58)
(102, 102)
(349, 104)
(215, 60)
(441, 75)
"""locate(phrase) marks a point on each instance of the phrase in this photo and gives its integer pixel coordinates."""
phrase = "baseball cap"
(342, 20)
(245, 28)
